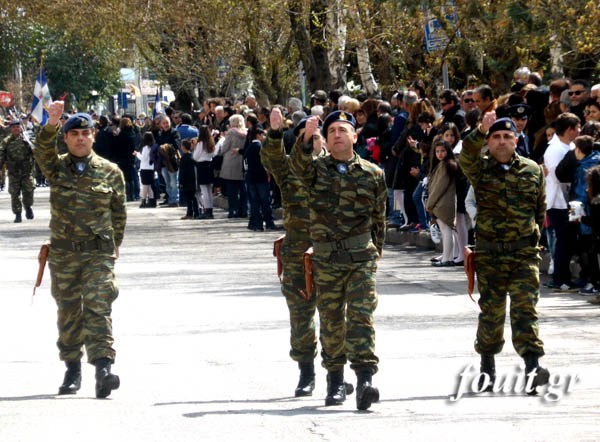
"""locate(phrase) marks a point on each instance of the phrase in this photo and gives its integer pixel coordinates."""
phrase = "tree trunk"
(362, 54)
(336, 33)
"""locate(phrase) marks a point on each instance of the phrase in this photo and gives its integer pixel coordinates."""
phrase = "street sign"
(436, 38)
(6, 99)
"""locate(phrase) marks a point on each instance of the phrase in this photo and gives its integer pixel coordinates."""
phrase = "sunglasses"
(468, 100)
(443, 103)
(571, 93)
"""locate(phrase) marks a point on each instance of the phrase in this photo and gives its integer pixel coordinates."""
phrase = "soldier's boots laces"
(72, 382)
(105, 380)
(18, 218)
(306, 383)
(28, 213)
(336, 388)
(366, 394)
(541, 375)
(488, 366)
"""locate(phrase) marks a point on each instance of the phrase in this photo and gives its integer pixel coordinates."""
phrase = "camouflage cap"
(78, 121)
(346, 117)
(503, 124)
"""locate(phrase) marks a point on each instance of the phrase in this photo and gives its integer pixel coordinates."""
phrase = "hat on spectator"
(519, 111)
(80, 120)
(346, 117)
(320, 96)
(15, 122)
(502, 124)
(302, 124)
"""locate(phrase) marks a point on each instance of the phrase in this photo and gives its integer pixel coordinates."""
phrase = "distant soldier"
(347, 197)
(511, 207)
(86, 229)
(16, 152)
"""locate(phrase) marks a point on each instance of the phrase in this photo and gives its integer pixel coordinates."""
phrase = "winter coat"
(442, 192)
(233, 168)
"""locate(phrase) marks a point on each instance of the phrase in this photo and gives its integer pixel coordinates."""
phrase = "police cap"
(14, 122)
(519, 111)
(80, 120)
(338, 116)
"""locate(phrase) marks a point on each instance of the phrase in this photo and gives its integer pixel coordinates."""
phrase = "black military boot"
(336, 388)
(306, 383)
(28, 213)
(18, 218)
(72, 382)
(366, 394)
(144, 204)
(151, 203)
(541, 376)
(105, 380)
(488, 365)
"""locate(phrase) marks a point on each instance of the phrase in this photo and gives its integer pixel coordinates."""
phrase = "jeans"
(171, 185)
(559, 220)
(394, 216)
(417, 197)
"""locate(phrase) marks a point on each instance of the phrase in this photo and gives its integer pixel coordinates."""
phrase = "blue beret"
(503, 124)
(78, 121)
(338, 116)
(302, 124)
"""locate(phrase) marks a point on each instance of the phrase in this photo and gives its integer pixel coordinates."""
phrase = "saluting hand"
(55, 111)
(275, 118)
(312, 126)
(487, 121)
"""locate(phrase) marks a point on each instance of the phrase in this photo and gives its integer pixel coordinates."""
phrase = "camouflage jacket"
(294, 194)
(511, 204)
(83, 206)
(342, 205)
(17, 155)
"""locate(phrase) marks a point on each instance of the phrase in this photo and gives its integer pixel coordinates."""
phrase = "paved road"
(202, 342)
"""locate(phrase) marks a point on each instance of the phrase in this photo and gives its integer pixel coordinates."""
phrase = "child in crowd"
(187, 180)
(147, 171)
(441, 203)
(203, 153)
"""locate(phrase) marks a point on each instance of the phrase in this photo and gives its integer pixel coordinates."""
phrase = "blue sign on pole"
(436, 38)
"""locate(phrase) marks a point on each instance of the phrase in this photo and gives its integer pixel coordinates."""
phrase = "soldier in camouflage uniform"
(294, 194)
(87, 224)
(511, 206)
(347, 198)
(16, 152)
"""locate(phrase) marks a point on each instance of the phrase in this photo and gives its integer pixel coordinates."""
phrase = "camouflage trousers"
(17, 185)
(346, 300)
(84, 288)
(303, 337)
(518, 276)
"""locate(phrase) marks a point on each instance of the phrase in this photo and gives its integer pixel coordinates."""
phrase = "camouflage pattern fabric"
(510, 208)
(345, 205)
(346, 300)
(518, 275)
(17, 155)
(83, 286)
(87, 209)
(294, 200)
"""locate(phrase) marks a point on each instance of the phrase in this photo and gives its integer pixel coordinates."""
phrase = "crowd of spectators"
(415, 137)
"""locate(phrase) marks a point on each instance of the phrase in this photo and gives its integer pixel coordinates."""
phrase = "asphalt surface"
(202, 344)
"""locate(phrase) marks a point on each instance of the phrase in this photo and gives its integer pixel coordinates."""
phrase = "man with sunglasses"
(451, 109)
(467, 101)
(578, 95)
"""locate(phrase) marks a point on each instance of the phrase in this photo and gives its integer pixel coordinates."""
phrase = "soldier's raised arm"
(45, 152)
(302, 159)
(470, 155)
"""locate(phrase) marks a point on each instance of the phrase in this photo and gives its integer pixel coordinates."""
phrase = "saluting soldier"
(87, 203)
(347, 197)
(16, 152)
(511, 206)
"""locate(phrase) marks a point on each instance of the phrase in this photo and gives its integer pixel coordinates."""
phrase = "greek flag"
(157, 106)
(41, 98)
